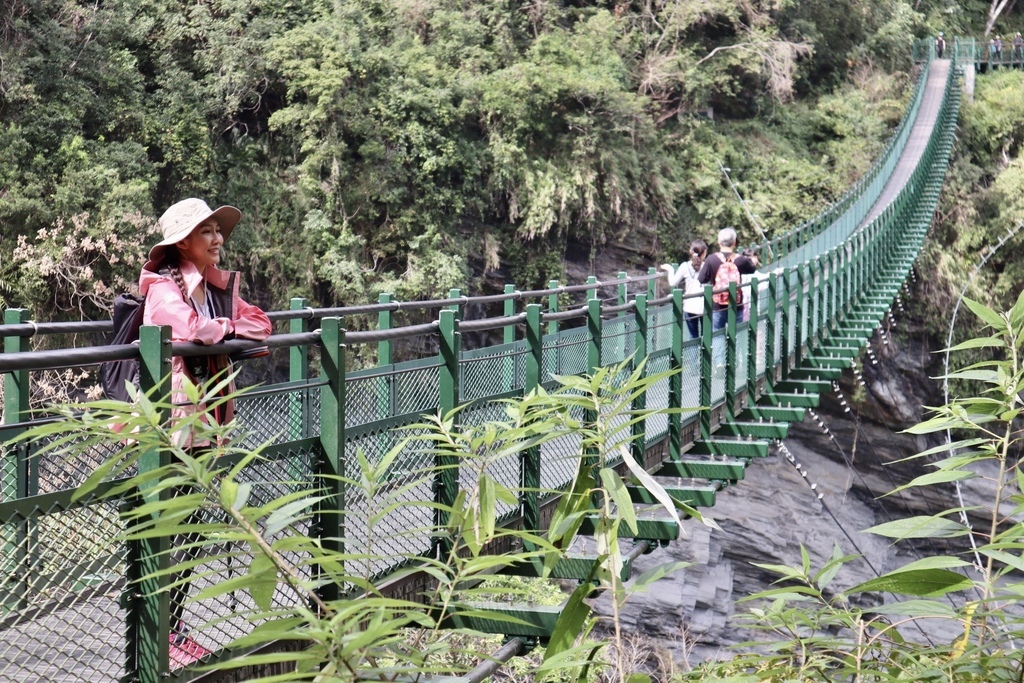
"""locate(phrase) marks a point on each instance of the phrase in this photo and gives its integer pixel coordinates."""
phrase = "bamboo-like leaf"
(920, 582)
(651, 484)
(987, 315)
(835, 562)
(927, 576)
(932, 478)
(1014, 561)
(914, 608)
(574, 615)
(921, 526)
(978, 343)
(616, 488)
(290, 514)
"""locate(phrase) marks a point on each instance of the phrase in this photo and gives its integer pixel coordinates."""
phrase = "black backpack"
(128, 311)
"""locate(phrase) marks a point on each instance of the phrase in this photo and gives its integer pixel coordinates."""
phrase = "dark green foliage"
(382, 145)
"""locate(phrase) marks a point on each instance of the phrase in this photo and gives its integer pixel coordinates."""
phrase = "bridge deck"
(918, 140)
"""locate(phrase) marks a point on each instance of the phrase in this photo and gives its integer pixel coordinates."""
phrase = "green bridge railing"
(67, 602)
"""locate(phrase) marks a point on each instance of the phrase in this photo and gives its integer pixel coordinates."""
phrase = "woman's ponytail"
(172, 264)
(698, 249)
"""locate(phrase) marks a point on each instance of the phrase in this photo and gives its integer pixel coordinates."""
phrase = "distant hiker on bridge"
(185, 290)
(995, 49)
(1018, 47)
(940, 46)
(693, 305)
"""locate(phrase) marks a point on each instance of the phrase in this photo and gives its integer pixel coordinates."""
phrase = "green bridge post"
(16, 480)
(675, 382)
(706, 347)
(554, 365)
(785, 298)
(771, 359)
(299, 404)
(753, 339)
(149, 613)
(593, 364)
(447, 481)
(385, 357)
(529, 472)
(800, 316)
(730, 353)
(331, 466)
(508, 336)
(639, 428)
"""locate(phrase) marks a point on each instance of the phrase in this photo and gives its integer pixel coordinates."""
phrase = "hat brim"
(227, 218)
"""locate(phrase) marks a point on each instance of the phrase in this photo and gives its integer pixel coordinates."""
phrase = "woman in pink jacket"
(186, 290)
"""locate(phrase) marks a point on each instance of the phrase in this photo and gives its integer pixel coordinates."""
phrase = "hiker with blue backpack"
(184, 289)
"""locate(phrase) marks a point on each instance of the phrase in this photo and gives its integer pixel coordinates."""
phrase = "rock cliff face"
(852, 459)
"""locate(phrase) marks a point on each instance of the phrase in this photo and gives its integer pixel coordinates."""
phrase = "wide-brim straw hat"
(182, 218)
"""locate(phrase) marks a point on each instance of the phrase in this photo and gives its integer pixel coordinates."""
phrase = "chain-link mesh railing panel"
(656, 426)
(486, 375)
(616, 417)
(559, 457)
(659, 329)
(378, 397)
(389, 539)
(59, 472)
(742, 361)
(503, 470)
(571, 352)
(618, 339)
(60, 610)
(214, 622)
(691, 380)
(549, 354)
(275, 417)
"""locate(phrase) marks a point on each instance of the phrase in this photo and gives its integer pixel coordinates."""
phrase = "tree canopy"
(412, 146)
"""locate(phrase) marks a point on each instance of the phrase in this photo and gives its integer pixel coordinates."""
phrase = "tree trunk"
(994, 10)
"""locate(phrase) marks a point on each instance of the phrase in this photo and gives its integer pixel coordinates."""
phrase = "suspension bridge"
(68, 608)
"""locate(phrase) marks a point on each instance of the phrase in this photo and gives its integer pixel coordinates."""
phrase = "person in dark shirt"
(745, 264)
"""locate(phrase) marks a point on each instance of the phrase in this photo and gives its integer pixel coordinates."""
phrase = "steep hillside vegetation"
(412, 146)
